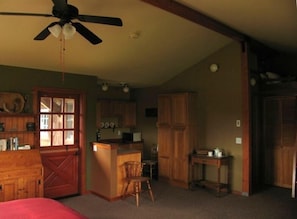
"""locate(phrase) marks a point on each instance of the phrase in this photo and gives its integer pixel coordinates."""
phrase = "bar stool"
(151, 166)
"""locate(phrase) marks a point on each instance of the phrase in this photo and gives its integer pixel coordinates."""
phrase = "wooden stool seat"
(134, 176)
(152, 167)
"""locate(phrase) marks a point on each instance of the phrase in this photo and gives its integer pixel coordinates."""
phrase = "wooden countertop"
(114, 146)
(117, 141)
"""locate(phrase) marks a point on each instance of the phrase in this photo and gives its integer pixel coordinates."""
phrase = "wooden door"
(164, 137)
(9, 189)
(32, 187)
(279, 139)
(59, 142)
(129, 116)
(60, 173)
(164, 110)
(179, 109)
(180, 156)
(164, 151)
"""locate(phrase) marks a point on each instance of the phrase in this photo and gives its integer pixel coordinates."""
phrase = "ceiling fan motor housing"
(70, 12)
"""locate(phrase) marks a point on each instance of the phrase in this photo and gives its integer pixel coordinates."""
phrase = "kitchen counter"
(121, 146)
(107, 172)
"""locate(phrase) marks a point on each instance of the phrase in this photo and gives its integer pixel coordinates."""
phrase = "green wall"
(219, 105)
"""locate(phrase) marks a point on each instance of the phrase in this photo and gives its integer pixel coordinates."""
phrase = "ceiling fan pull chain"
(62, 56)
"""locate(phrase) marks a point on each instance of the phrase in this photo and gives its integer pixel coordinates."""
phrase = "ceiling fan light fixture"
(68, 31)
(55, 30)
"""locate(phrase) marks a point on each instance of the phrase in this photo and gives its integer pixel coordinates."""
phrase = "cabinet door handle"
(0, 187)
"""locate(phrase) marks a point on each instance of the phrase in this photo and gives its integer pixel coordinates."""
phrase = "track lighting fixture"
(104, 87)
(126, 89)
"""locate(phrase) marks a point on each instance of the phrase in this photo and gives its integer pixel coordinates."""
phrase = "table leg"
(219, 180)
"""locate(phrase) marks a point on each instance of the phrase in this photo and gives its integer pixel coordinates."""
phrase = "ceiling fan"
(66, 13)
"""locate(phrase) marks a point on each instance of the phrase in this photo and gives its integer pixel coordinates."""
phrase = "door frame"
(82, 130)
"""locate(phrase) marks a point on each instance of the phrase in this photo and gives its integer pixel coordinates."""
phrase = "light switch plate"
(238, 140)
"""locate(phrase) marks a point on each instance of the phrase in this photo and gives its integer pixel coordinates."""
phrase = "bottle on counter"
(98, 135)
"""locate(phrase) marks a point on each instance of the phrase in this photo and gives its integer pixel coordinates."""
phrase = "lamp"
(214, 67)
(125, 88)
(104, 87)
(68, 30)
(55, 30)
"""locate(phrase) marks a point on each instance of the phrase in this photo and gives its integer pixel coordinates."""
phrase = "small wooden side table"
(213, 161)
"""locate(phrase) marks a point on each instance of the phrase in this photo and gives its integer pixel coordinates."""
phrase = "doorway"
(279, 134)
(59, 139)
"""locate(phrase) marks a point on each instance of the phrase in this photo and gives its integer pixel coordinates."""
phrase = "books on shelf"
(12, 145)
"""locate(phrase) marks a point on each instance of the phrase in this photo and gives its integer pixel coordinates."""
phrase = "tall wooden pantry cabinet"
(177, 136)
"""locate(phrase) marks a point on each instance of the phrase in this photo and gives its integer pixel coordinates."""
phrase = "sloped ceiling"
(153, 45)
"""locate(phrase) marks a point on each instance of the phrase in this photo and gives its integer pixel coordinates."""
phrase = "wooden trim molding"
(197, 17)
(246, 146)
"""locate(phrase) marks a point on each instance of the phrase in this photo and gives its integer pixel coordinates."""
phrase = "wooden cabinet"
(124, 111)
(15, 125)
(177, 136)
(21, 175)
(279, 114)
(129, 115)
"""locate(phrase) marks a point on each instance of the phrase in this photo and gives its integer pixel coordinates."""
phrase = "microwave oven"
(131, 136)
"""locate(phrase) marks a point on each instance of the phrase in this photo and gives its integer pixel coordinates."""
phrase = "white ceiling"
(167, 44)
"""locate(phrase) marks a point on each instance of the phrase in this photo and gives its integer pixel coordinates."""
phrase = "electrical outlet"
(238, 140)
(237, 123)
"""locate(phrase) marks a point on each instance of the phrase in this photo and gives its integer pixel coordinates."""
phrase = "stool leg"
(150, 190)
(136, 187)
(126, 189)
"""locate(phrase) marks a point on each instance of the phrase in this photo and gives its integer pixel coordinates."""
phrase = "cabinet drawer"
(18, 173)
(206, 161)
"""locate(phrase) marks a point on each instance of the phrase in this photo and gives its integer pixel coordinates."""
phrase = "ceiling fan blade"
(101, 20)
(25, 14)
(86, 33)
(60, 4)
(45, 32)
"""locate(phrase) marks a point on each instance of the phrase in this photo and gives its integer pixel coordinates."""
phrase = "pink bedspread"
(33, 208)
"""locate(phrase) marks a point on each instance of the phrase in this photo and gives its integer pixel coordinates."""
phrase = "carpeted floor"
(172, 202)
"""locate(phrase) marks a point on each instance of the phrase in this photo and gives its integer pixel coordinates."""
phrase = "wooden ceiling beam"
(197, 17)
